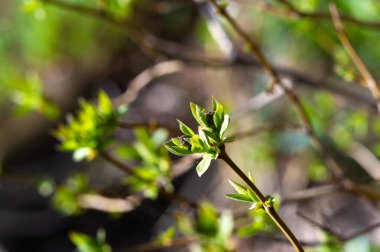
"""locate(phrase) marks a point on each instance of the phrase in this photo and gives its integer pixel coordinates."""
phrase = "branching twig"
(370, 81)
(269, 209)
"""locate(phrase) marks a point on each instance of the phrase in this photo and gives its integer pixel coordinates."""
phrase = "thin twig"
(145, 77)
(370, 81)
(269, 209)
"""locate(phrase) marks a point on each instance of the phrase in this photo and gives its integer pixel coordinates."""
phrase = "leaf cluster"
(210, 138)
(66, 196)
(153, 169)
(91, 130)
(213, 231)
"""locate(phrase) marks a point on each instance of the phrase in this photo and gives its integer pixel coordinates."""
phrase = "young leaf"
(252, 195)
(239, 197)
(177, 150)
(223, 128)
(204, 137)
(238, 187)
(201, 115)
(211, 134)
(204, 164)
(197, 144)
(218, 115)
(185, 129)
(193, 108)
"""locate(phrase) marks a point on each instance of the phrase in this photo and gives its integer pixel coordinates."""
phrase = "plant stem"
(269, 209)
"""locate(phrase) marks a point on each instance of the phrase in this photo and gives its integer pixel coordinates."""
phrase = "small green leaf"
(159, 137)
(239, 197)
(193, 108)
(197, 144)
(211, 134)
(185, 129)
(238, 187)
(127, 152)
(252, 195)
(226, 122)
(218, 116)
(105, 103)
(228, 139)
(201, 115)
(203, 165)
(203, 137)
(177, 150)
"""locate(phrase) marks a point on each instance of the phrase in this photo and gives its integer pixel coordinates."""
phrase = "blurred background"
(157, 56)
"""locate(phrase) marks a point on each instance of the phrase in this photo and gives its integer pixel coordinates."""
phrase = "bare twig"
(144, 78)
(370, 81)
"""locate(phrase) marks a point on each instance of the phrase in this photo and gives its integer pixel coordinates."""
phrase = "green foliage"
(85, 243)
(153, 170)
(166, 237)
(210, 137)
(211, 230)
(91, 130)
(261, 222)
(65, 198)
(29, 96)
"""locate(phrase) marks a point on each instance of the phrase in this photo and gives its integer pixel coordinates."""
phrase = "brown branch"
(268, 209)
(370, 81)
(145, 77)
(311, 193)
(293, 12)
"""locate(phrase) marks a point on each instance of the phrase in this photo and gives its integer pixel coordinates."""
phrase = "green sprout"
(210, 137)
(212, 230)
(153, 170)
(85, 243)
(91, 130)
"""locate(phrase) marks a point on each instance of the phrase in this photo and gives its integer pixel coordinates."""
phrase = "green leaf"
(105, 104)
(127, 152)
(226, 225)
(185, 129)
(207, 222)
(159, 137)
(211, 134)
(239, 197)
(228, 139)
(167, 236)
(226, 122)
(177, 150)
(197, 144)
(193, 108)
(144, 138)
(252, 195)
(204, 138)
(238, 187)
(203, 165)
(218, 115)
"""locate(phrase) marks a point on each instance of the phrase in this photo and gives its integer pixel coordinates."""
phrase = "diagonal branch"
(370, 81)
